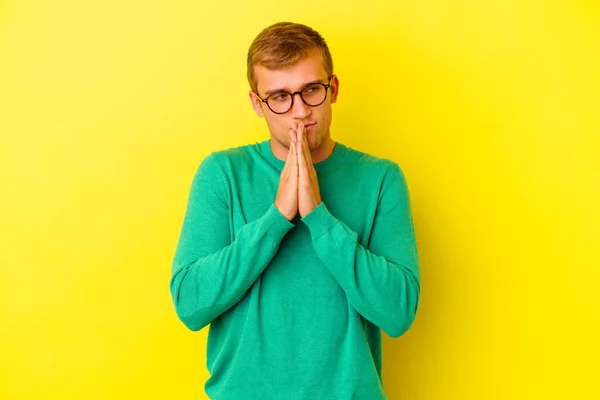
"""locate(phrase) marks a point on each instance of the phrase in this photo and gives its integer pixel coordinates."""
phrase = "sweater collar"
(322, 166)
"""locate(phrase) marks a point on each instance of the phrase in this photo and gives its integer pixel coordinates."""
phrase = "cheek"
(273, 123)
(280, 128)
(325, 114)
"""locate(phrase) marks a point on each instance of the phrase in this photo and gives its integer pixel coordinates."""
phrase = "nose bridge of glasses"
(304, 106)
(276, 104)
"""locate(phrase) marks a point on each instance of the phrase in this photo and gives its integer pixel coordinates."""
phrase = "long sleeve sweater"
(296, 308)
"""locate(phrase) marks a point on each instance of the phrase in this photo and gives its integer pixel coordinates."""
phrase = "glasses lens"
(279, 102)
(314, 95)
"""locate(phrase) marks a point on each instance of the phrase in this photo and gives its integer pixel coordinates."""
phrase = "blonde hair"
(284, 44)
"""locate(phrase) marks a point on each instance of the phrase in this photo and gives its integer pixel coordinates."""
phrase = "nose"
(299, 109)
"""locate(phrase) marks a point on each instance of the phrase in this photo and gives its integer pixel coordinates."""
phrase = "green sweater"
(296, 308)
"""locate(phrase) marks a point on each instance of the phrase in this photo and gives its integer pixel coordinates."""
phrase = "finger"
(294, 161)
(308, 157)
(296, 131)
(301, 132)
(298, 135)
(293, 137)
(306, 149)
(301, 159)
(305, 141)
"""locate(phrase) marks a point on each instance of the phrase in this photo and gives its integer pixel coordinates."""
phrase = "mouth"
(308, 127)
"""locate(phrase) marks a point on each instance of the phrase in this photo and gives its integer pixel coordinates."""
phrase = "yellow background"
(491, 108)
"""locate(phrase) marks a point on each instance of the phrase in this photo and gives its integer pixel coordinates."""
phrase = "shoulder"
(231, 156)
(215, 171)
(371, 163)
(219, 159)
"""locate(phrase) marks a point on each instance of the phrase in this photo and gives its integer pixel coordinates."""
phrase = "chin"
(314, 142)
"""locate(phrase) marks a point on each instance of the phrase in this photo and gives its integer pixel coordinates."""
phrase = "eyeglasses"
(312, 95)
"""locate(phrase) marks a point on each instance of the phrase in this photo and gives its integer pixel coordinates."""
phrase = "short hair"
(284, 44)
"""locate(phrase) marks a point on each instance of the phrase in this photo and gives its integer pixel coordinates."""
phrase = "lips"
(310, 125)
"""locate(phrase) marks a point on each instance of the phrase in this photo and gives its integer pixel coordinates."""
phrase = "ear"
(256, 104)
(335, 88)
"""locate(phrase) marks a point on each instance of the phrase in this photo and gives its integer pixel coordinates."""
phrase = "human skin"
(301, 136)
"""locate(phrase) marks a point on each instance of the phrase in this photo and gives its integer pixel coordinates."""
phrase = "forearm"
(204, 288)
(383, 291)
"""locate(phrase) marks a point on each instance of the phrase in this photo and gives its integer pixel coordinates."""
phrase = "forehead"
(291, 78)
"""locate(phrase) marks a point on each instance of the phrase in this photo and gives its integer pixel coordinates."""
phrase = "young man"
(296, 250)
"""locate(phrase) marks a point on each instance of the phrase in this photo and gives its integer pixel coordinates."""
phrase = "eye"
(279, 96)
(312, 89)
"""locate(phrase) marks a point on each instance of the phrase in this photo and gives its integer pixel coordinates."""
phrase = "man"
(296, 250)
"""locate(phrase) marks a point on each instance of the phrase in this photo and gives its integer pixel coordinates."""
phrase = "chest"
(349, 198)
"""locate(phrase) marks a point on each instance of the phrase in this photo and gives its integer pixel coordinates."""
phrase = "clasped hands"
(298, 184)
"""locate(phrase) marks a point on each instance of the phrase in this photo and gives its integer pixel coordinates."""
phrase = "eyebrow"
(270, 92)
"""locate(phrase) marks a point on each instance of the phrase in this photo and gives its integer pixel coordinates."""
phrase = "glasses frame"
(326, 86)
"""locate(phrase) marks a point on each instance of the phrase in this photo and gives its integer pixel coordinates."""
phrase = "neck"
(323, 152)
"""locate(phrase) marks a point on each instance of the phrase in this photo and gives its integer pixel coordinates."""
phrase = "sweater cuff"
(275, 224)
(319, 221)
